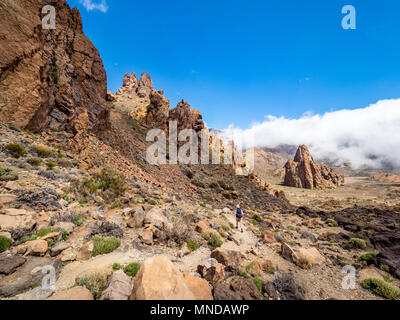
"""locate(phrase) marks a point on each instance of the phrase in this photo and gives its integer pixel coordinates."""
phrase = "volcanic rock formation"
(48, 77)
(303, 172)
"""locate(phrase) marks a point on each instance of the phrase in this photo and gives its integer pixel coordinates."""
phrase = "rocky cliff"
(48, 77)
(303, 172)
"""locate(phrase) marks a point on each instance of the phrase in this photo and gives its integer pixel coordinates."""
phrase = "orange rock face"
(303, 172)
(48, 77)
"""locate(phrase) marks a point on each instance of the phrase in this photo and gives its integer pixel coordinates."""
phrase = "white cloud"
(366, 136)
(90, 5)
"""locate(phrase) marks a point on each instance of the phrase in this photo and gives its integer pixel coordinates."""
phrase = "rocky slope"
(303, 172)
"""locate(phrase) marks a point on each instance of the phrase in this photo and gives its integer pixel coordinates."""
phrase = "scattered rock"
(119, 287)
(228, 254)
(159, 279)
(312, 255)
(269, 236)
(287, 287)
(214, 274)
(146, 236)
(69, 227)
(58, 248)
(85, 252)
(37, 247)
(199, 287)
(288, 253)
(201, 227)
(6, 198)
(8, 265)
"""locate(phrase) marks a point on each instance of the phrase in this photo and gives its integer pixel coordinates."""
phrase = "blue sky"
(237, 61)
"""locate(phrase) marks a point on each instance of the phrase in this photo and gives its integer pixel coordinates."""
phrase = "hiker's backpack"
(239, 213)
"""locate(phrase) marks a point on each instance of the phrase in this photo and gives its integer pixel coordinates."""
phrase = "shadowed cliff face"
(48, 77)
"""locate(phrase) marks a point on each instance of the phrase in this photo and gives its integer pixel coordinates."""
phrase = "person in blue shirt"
(239, 217)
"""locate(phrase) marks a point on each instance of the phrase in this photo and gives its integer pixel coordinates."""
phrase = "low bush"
(258, 282)
(44, 151)
(331, 223)
(7, 174)
(355, 243)
(16, 150)
(381, 288)
(213, 238)
(367, 256)
(51, 164)
(5, 243)
(94, 283)
(192, 245)
(116, 266)
(132, 269)
(34, 161)
(104, 245)
(110, 183)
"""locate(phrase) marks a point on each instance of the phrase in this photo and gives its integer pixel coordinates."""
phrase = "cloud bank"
(90, 5)
(367, 136)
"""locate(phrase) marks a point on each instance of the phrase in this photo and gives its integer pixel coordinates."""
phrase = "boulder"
(238, 288)
(312, 255)
(269, 236)
(69, 254)
(58, 248)
(214, 274)
(288, 288)
(228, 254)
(288, 253)
(8, 265)
(137, 215)
(303, 172)
(146, 236)
(119, 287)
(156, 218)
(201, 227)
(69, 227)
(200, 287)
(37, 247)
(85, 252)
(159, 279)
(75, 293)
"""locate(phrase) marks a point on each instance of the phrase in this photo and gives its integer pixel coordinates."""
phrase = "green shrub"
(132, 269)
(116, 266)
(384, 267)
(250, 266)
(213, 238)
(257, 217)
(355, 243)
(225, 227)
(381, 288)
(51, 164)
(44, 151)
(34, 161)
(16, 150)
(111, 183)
(192, 245)
(367, 256)
(5, 243)
(258, 282)
(77, 220)
(94, 283)
(244, 274)
(331, 223)
(7, 174)
(104, 245)
(271, 270)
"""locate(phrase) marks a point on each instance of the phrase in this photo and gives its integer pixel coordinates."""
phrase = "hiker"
(239, 216)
